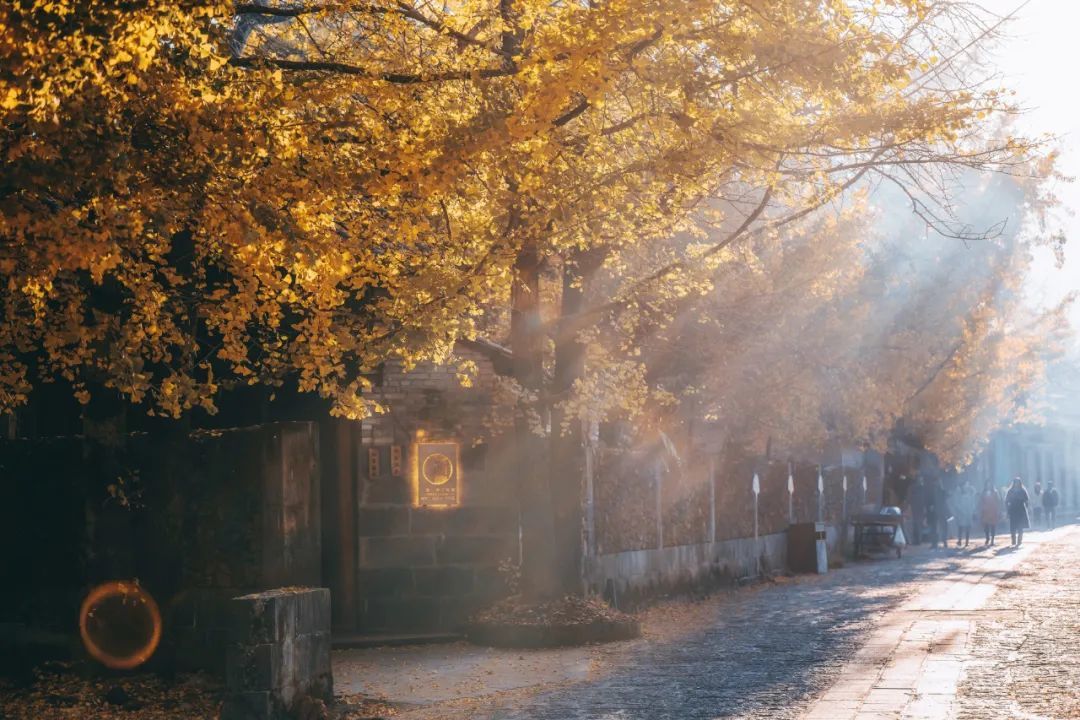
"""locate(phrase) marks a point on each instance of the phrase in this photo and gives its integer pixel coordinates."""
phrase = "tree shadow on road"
(767, 655)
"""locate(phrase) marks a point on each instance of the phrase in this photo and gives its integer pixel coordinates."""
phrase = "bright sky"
(1038, 61)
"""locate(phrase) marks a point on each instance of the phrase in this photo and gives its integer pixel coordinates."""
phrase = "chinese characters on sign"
(439, 475)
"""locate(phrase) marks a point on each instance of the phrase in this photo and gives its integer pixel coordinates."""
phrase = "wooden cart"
(875, 532)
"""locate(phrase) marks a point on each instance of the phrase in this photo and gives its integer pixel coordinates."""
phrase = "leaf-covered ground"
(61, 692)
(564, 611)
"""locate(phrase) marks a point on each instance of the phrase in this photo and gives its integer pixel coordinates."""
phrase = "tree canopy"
(202, 194)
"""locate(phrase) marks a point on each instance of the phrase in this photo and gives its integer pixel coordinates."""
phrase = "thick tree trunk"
(538, 562)
(567, 466)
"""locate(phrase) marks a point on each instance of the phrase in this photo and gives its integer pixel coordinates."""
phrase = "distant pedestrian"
(989, 512)
(964, 505)
(1036, 502)
(917, 505)
(1017, 502)
(1050, 502)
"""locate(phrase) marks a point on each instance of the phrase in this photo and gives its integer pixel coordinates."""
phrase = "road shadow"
(767, 653)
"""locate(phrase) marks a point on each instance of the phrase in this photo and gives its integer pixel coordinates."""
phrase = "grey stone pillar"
(279, 653)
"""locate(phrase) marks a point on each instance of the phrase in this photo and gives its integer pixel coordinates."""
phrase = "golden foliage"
(200, 194)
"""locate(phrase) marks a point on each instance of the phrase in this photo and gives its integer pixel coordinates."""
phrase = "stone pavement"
(912, 665)
(1024, 659)
(938, 635)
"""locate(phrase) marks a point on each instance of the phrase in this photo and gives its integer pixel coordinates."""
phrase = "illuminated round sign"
(120, 625)
(438, 469)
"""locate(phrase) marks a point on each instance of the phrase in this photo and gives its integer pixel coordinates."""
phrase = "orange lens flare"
(120, 625)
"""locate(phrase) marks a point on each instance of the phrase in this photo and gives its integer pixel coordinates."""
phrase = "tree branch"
(390, 77)
(586, 316)
(400, 8)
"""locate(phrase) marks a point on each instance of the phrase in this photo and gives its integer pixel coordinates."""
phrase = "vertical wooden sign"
(395, 461)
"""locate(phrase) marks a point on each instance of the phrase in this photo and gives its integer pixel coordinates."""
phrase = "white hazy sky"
(1038, 60)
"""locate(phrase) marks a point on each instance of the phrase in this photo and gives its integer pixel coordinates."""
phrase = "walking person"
(943, 510)
(965, 504)
(1017, 502)
(937, 513)
(1050, 502)
(989, 512)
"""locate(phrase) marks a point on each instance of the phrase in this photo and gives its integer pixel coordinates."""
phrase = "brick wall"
(430, 400)
(426, 569)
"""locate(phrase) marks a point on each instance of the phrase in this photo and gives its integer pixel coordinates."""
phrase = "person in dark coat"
(917, 504)
(937, 513)
(1050, 502)
(1016, 505)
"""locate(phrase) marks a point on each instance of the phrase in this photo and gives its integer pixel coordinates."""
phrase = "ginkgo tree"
(199, 194)
(848, 329)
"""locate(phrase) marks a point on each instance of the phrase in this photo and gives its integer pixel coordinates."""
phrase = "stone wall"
(197, 519)
(254, 494)
(661, 525)
(426, 569)
(429, 402)
(636, 575)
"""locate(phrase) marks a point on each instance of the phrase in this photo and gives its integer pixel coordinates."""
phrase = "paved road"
(973, 635)
(770, 654)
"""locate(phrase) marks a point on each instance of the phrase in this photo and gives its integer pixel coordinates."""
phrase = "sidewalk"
(913, 664)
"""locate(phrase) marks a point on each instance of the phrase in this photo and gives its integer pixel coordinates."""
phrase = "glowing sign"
(438, 473)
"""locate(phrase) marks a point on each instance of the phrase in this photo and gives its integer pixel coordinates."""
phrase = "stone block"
(280, 652)
(430, 521)
(455, 612)
(490, 583)
(276, 614)
(396, 490)
(253, 621)
(402, 615)
(482, 520)
(384, 582)
(382, 521)
(398, 551)
(443, 581)
(254, 667)
(313, 610)
(480, 550)
(310, 660)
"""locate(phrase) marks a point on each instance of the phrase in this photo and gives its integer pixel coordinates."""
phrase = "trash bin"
(806, 548)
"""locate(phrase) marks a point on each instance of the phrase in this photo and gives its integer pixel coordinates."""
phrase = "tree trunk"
(538, 562)
(568, 443)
